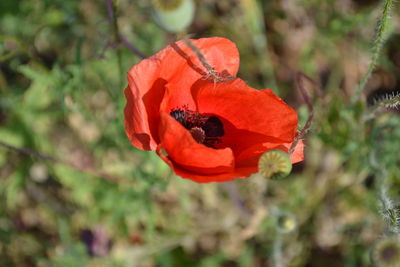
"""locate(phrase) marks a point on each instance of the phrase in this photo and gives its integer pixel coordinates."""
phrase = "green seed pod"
(386, 252)
(173, 15)
(274, 164)
(286, 222)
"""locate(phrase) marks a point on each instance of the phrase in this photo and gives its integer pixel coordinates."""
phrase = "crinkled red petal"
(254, 120)
(184, 152)
(176, 65)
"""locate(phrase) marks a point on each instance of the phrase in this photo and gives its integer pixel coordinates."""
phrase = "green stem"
(277, 256)
(41, 156)
(112, 16)
(376, 47)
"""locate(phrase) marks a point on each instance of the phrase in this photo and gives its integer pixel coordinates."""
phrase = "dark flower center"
(204, 129)
(198, 134)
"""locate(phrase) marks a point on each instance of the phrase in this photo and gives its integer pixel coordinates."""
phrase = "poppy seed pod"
(274, 164)
(386, 252)
(173, 15)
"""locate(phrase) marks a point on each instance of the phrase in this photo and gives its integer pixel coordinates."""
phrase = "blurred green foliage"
(62, 75)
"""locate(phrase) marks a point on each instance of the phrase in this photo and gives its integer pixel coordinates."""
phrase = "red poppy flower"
(204, 130)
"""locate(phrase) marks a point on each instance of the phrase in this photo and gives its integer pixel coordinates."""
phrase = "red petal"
(298, 153)
(175, 65)
(254, 120)
(199, 178)
(138, 113)
(186, 154)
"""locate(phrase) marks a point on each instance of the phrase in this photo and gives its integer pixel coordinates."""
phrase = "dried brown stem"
(211, 72)
(300, 86)
(119, 38)
(130, 46)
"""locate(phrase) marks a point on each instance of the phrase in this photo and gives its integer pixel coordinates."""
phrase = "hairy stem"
(376, 47)
(381, 103)
(388, 208)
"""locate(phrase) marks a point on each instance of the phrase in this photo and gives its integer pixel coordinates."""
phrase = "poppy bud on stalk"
(173, 15)
(386, 252)
(274, 164)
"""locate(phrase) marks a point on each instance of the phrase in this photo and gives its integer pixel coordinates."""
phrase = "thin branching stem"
(277, 251)
(112, 17)
(130, 46)
(119, 38)
(41, 156)
(211, 72)
(300, 86)
(380, 35)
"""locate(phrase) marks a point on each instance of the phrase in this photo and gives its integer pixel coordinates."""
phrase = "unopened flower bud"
(173, 15)
(274, 164)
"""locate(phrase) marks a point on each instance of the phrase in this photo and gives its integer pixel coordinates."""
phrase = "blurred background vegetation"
(98, 201)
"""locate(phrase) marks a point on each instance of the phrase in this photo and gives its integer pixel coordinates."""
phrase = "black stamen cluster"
(211, 125)
(188, 119)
